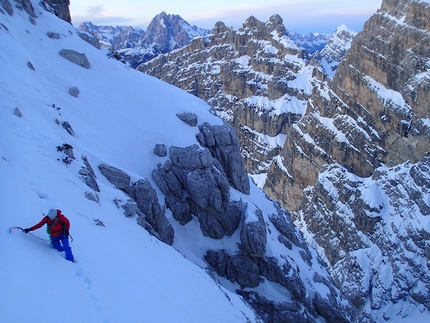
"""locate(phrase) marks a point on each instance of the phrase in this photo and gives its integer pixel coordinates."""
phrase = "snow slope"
(122, 274)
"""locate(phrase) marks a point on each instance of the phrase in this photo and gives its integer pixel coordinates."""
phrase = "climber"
(58, 230)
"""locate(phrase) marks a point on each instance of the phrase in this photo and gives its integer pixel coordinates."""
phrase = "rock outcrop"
(197, 182)
(60, 8)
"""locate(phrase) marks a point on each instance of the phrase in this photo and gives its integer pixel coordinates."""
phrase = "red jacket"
(56, 227)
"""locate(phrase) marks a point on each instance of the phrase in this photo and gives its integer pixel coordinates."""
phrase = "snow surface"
(122, 274)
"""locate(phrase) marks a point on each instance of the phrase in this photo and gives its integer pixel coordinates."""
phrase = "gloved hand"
(66, 233)
(26, 230)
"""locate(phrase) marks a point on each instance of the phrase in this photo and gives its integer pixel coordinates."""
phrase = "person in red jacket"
(58, 229)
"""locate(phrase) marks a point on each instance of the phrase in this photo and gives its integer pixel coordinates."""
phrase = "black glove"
(66, 233)
(26, 230)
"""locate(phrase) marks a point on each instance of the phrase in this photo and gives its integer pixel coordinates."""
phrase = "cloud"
(95, 10)
(103, 20)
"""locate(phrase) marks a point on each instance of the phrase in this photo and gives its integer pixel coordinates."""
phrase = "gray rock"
(153, 219)
(217, 223)
(130, 209)
(74, 91)
(17, 112)
(160, 150)
(91, 182)
(30, 66)
(286, 228)
(224, 146)
(53, 35)
(324, 306)
(168, 183)
(7, 6)
(60, 8)
(218, 261)
(75, 57)
(189, 118)
(92, 197)
(243, 271)
(66, 125)
(253, 237)
(90, 39)
(116, 176)
(190, 158)
(27, 6)
(279, 312)
(181, 212)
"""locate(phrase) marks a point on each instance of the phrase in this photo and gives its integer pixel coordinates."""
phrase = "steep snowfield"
(122, 274)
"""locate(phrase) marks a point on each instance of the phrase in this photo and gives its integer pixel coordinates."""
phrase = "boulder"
(153, 219)
(74, 91)
(27, 6)
(75, 57)
(116, 176)
(189, 118)
(218, 261)
(160, 150)
(217, 223)
(90, 39)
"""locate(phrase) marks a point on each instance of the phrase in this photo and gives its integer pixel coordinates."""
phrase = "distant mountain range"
(168, 32)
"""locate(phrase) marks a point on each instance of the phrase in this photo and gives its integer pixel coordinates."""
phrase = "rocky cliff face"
(256, 79)
(375, 110)
(375, 235)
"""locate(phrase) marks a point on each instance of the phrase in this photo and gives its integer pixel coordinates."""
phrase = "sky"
(303, 16)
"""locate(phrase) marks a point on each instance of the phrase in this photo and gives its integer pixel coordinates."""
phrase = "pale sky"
(303, 16)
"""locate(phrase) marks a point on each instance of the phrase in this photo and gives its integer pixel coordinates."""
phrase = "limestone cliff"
(375, 110)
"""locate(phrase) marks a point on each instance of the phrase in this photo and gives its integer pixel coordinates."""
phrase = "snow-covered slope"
(122, 274)
(114, 115)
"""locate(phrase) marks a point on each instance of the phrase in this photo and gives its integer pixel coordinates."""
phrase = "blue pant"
(61, 243)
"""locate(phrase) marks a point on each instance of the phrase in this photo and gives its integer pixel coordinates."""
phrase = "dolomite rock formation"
(373, 112)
